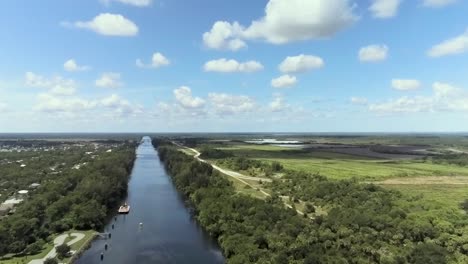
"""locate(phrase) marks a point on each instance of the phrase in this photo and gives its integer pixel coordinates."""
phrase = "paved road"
(59, 241)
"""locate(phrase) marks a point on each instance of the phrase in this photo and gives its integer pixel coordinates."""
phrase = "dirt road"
(238, 176)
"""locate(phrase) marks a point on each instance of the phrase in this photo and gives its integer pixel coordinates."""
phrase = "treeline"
(364, 223)
(214, 153)
(248, 230)
(29, 143)
(460, 159)
(77, 198)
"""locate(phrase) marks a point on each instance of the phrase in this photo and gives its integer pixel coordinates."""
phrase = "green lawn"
(89, 235)
(26, 259)
(80, 245)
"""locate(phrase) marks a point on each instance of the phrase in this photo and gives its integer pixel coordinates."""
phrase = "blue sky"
(221, 66)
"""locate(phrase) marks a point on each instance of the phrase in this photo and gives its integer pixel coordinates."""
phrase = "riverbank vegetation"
(79, 197)
(358, 223)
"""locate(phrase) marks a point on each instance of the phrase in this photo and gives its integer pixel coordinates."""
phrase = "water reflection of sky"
(169, 233)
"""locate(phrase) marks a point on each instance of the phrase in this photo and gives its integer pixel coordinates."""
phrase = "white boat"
(124, 209)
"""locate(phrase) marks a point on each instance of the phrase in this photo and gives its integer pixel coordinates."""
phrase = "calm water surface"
(168, 234)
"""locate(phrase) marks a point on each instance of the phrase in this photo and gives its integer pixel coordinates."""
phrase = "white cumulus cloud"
(384, 8)
(294, 20)
(107, 24)
(120, 105)
(445, 97)
(227, 104)
(285, 21)
(185, 98)
(373, 53)
(358, 100)
(284, 81)
(71, 66)
(109, 80)
(300, 63)
(403, 105)
(278, 104)
(51, 103)
(224, 36)
(438, 3)
(110, 107)
(227, 66)
(56, 85)
(453, 46)
(405, 84)
(157, 60)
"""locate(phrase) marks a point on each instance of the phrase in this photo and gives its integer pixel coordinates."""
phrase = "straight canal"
(168, 233)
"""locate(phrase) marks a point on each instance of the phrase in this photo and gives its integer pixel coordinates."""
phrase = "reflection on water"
(167, 233)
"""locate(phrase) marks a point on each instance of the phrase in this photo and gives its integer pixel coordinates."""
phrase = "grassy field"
(250, 189)
(81, 245)
(26, 259)
(436, 199)
(370, 170)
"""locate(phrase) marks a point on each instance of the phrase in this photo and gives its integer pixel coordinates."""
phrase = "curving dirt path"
(238, 176)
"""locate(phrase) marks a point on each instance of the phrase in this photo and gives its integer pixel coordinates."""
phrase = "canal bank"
(168, 233)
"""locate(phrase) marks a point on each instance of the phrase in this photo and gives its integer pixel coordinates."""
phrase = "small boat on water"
(124, 209)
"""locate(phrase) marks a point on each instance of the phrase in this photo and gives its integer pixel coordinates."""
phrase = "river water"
(168, 233)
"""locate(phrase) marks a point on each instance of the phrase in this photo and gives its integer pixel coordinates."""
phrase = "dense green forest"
(75, 199)
(364, 223)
